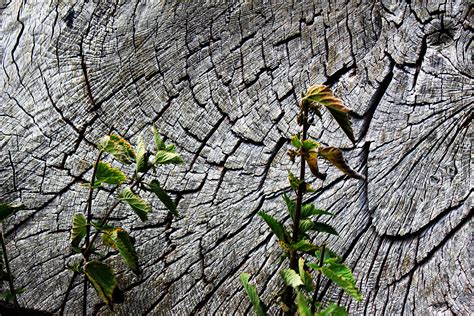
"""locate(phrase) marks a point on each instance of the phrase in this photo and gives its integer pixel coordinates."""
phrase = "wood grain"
(221, 80)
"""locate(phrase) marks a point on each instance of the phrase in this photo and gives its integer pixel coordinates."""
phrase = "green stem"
(88, 250)
(88, 211)
(299, 202)
(318, 280)
(10, 276)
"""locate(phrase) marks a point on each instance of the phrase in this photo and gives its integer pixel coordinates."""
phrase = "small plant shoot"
(308, 261)
(85, 232)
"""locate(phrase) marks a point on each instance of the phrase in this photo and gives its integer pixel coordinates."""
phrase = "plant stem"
(301, 190)
(88, 250)
(318, 280)
(88, 211)
(7, 266)
(299, 202)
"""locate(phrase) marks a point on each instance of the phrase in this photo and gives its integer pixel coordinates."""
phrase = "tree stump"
(222, 80)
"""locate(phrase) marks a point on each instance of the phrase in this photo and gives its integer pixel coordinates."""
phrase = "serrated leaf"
(308, 210)
(324, 228)
(311, 158)
(291, 278)
(305, 276)
(275, 225)
(335, 157)
(107, 174)
(296, 141)
(294, 181)
(305, 225)
(259, 308)
(118, 147)
(163, 157)
(309, 144)
(75, 266)
(342, 276)
(138, 205)
(103, 279)
(323, 95)
(291, 205)
(107, 240)
(305, 246)
(142, 156)
(163, 196)
(123, 244)
(8, 209)
(302, 305)
(79, 229)
(329, 256)
(159, 143)
(333, 310)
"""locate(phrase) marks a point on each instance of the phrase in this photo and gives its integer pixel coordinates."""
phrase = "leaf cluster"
(100, 274)
(309, 261)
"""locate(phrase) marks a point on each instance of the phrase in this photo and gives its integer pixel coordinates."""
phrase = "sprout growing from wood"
(306, 259)
(85, 232)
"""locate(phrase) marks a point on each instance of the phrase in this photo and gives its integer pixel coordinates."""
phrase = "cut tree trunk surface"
(222, 81)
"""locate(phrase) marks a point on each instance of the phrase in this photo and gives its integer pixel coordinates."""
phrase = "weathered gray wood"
(221, 80)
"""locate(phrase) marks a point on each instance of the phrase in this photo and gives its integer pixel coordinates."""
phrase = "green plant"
(307, 260)
(85, 232)
(6, 210)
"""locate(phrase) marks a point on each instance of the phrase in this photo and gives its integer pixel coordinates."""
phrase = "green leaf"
(305, 276)
(305, 225)
(291, 278)
(163, 196)
(107, 240)
(329, 256)
(291, 205)
(107, 174)
(8, 209)
(138, 205)
(323, 95)
(164, 157)
(305, 246)
(275, 225)
(142, 156)
(251, 291)
(79, 229)
(302, 305)
(123, 244)
(309, 144)
(159, 143)
(8, 296)
(324, 228)
(294, 181)
(296, 141)
(333, 310)
(342, 276)
(308, 210)
(335, 157)
(118, 147)
(103, 279)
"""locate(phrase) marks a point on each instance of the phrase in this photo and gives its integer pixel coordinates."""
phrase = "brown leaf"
(311, 158)
(334, 156)
(321, 94)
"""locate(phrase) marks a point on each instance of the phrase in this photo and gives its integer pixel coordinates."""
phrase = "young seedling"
(85, 232)
(307, 260)
(6, 210)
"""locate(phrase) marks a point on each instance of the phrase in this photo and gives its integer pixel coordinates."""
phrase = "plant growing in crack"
(85, 232)
(6, 210)
(307, 261)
